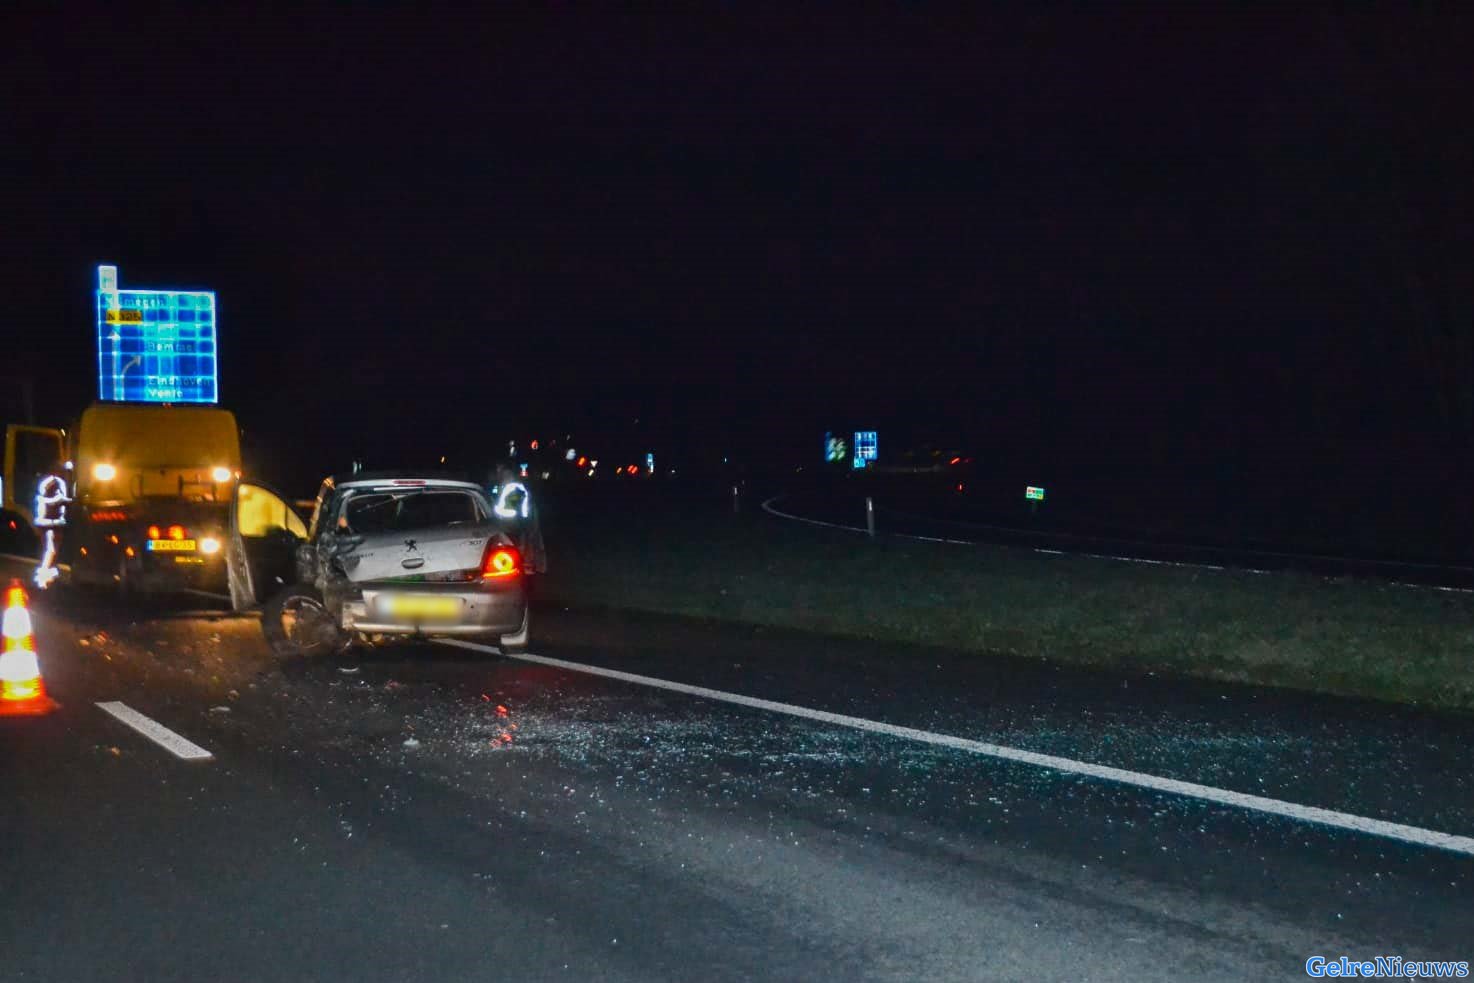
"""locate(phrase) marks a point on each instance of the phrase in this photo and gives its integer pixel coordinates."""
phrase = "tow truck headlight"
(221, 475)
(104, 472)
(209, 545)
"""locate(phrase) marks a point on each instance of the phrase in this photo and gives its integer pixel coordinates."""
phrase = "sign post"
(1035, 496)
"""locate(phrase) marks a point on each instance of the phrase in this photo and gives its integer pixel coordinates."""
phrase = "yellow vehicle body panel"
(156, 451)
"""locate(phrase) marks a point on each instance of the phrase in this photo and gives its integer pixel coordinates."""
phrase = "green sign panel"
(1034, 494)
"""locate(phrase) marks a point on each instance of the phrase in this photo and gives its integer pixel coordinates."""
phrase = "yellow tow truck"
(151, 489)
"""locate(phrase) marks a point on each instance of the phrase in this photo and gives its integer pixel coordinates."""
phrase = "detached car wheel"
(296, 624)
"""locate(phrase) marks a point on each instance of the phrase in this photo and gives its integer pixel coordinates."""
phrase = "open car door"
(262, 554)
(30, 453)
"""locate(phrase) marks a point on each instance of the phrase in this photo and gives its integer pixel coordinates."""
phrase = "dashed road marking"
(1206, 793)
(180, 747)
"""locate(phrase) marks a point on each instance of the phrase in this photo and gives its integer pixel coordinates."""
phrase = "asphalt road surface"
(430, 813)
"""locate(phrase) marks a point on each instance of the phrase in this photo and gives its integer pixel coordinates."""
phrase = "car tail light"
(153, 533)
(177, 532)
(501, 562)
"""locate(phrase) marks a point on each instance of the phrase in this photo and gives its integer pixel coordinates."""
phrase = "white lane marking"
(1207, 793)
(1451, 590)
(180, 747)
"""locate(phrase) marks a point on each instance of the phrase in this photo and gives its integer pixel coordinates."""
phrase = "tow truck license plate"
(172, 545)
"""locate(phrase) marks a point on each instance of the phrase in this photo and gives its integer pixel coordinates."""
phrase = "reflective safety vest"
(513, 500)
(51, 502)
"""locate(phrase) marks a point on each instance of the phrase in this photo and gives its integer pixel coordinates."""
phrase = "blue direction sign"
(155, 346)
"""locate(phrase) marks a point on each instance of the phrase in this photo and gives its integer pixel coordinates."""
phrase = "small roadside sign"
(1034, 494)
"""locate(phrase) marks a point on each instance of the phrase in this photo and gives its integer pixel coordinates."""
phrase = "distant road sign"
(836, 449)
(1034, 494)
(155, 346)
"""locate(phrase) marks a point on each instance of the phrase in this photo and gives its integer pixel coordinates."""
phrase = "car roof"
(390, 479)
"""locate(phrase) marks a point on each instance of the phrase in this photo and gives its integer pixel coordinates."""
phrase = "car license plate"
(411, 607)
(172, 545)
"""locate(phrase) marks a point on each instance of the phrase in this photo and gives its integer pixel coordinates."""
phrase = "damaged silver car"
(384, 556)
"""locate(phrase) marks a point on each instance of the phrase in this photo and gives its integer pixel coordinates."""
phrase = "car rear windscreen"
(376, 512)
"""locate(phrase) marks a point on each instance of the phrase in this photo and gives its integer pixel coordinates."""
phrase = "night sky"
(1217, 243)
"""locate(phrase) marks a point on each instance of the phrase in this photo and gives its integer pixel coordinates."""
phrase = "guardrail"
(1302, 560)
(1192, 547)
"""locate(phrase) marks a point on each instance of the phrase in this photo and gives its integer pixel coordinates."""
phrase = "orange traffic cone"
(22, 693)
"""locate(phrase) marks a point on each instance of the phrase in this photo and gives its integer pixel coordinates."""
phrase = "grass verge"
(1347, 637)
